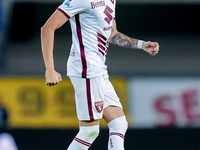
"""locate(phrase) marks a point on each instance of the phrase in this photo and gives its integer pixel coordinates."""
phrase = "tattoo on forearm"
(124, 41)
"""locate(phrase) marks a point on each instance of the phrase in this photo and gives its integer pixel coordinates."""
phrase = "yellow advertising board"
(32, 104)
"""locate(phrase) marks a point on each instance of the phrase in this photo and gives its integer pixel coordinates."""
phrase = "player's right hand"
(151, 47)
(52, 77)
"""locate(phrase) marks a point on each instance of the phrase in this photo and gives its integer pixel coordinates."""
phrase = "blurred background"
(160, 95)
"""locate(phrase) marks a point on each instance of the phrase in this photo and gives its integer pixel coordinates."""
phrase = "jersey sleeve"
(72, 7)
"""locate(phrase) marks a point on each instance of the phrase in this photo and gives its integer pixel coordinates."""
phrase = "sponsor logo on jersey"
(97, 4)
(107, 28)
(68, 3)
(99, 106)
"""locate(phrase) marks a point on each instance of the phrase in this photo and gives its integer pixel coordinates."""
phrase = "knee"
(94, 133)
(118, 125)
(89, 131)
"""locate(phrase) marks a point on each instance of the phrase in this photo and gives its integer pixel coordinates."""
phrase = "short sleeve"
(72, 7)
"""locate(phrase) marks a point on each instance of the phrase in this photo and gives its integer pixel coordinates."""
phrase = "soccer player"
(93, 27)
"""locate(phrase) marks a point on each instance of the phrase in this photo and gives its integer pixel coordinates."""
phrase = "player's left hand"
(151, 47)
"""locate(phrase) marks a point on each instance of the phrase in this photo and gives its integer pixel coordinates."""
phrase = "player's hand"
(52, 77)
(151, 47)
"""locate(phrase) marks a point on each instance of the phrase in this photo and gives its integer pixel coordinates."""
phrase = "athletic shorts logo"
(68, 3)
(99, 106)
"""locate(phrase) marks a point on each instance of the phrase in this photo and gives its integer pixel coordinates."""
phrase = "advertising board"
(32, 104)
(164, 102)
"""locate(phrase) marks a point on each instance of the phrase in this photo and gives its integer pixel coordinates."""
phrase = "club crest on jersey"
(68, 3)
(99, 106)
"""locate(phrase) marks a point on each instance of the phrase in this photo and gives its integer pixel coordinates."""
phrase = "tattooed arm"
(120, 39)
(124, 41)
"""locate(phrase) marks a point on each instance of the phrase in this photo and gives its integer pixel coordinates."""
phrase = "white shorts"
(93, 95)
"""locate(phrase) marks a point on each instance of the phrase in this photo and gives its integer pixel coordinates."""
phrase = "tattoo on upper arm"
(124, 41)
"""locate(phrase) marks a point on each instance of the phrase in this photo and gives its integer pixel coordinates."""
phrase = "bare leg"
(89, 123)
(112, 112)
